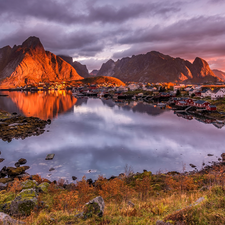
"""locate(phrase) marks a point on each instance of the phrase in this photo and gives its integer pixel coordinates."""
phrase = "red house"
(211, 107)
(181, 103)
(201, 104)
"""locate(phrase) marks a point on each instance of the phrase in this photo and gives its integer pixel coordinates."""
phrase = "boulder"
(43, 187)
(94, 207)
(13, 172)
(74, 178)
(1, 160)
(6, 219)
(28, 184)
(24, 202)
(5, 180)
(3, 186)
(22, 161)
(3, 172)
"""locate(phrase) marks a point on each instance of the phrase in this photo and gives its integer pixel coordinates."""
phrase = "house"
(201, 104)
(165, 94)
(133, 87)
(206, 93)
(218, 93)
(198, 93)
(181, 103)
(122, 88)
(211, 107)
(191, 91)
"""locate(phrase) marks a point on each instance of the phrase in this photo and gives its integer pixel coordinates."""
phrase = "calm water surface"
(97, 137)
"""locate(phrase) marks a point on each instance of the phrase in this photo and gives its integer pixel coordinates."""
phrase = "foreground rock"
(21, 127)
(23, 204)
(6, 219)
(94, 207)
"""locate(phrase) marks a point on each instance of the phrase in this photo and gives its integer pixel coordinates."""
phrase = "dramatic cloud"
(98, 30)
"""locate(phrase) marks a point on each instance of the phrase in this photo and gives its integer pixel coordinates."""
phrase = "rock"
(223, 156)
(130, 204)
(89, 181)
(24, 203)
(3, 172)
(22, 161)
(17, 164)
(199, 200)
(94, 207)
(112, 177)
(3, 186)
(5, 180)
(28, 184)
(13, 172)
(192, 165)
(204, 188)
(1, 160)
(210, 155)
(6, 219)
(49, 156)
(49, 121)
(74, 178)
(160, 222)
(43, 187)
(51, 169)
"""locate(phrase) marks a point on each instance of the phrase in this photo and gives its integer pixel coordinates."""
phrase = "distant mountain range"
(157, 67)
(219, 74)
(29, 64)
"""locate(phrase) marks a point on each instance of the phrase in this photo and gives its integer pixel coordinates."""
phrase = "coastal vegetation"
(141, 198)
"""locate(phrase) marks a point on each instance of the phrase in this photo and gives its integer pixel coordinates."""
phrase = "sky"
(93, 31)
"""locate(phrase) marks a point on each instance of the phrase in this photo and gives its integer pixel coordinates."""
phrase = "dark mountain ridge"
(157, 67)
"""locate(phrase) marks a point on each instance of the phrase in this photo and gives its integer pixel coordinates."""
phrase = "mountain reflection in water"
(44, 105)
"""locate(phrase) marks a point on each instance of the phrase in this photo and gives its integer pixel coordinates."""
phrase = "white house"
(133, 87)
(122, 88)
(218, 93)
(206, 93)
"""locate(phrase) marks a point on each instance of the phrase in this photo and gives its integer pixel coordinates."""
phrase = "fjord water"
(97, 137)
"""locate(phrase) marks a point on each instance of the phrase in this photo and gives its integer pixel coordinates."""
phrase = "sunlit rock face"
(219, 74)
(29, 64)
(43, 105)
(156, 67)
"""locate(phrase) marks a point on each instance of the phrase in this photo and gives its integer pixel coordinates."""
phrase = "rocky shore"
(17, 126)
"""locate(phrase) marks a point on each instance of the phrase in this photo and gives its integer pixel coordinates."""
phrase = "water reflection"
(44, 105)
(103, 137)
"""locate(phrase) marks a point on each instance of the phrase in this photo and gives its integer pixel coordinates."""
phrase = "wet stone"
(1, 160)
(49, 156)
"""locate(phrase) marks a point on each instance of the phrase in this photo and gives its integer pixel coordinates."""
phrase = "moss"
(29, 184)
(26, 193)
(44, 187)
(26, 207)
(12, 171)
(5, 180)
(91, 209)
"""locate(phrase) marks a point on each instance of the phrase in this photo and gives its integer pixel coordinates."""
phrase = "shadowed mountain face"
(81, 69)
(43, 105)
(94, 72)
(156, 67)
(30, 64)
(219, 74)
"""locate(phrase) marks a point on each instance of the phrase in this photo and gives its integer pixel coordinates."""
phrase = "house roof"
(204, 91)
(200, 102)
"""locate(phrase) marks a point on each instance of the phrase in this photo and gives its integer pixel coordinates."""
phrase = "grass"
(135, 199)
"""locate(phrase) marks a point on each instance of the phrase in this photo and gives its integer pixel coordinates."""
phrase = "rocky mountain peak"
(32, 43)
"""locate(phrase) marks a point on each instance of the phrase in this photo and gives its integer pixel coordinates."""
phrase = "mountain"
(29, 64)
(101, 80)
(94, 72)
(219, 74)
(81, 69)
(157, 67)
